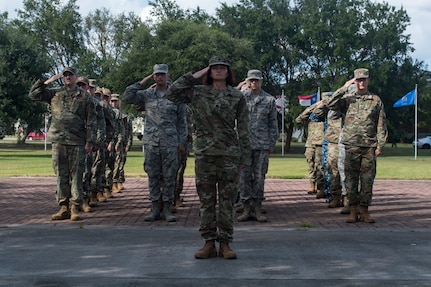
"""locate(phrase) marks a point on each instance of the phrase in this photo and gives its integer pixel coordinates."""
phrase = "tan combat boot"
(62, 214)
(239, 208)
(84, 205)
(335, 202)
(178, 202)
(209, 250)
(246, 212)
(365, 216)
(353, 217)
(74, 213)
(312, 188)
(93, 199)
(108, 192)
(258, 212)
(321, 191)
(225, 251)
(346, 207)
(100, 197)
(115, 188)
(120, 186)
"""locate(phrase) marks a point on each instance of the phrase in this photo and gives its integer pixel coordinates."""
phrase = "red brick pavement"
(396, 204)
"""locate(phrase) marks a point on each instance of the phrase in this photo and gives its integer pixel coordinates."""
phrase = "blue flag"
(407, 100)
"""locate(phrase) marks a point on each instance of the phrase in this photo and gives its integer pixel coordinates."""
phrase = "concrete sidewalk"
(304, 243)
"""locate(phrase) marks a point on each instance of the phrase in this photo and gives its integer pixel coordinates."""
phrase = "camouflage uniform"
(72, 125)
(114, 157)
(219, 150)
(182, 158)
(313, 145)
(91, 181)
(364, 131)
(128, 142)
(101, 156)
(165, 130)
(334, 121)
(263, 128)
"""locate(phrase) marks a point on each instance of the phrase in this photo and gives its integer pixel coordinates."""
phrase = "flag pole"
(416, 121)
(282, 122)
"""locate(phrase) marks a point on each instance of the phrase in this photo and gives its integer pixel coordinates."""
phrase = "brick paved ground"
(396, 204)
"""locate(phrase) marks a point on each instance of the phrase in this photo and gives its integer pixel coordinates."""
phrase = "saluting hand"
(200, 73)
(53, 78)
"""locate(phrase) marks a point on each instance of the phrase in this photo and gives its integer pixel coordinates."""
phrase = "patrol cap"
(99, 91)
(160, 69)
(92, 83)
(115, 97)
(106, 92)
(71, 70)
(254, 75)
(82, 79)
(218, 60)
(361, 73)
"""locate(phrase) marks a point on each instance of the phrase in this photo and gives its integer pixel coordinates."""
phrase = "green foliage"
(304, 44)
(20, 64)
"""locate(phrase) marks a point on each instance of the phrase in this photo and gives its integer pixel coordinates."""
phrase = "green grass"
(31, 159)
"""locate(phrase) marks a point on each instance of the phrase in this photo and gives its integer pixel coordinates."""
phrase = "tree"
(107, 37)
(56, 30)
(21, 61)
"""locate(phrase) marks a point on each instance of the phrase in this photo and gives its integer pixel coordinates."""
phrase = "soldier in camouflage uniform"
(364, 136)
(182, 159)
(119, 154)
(114, 144)
(334, 120)
(89, 196)
(113, 171)
(220, 149)
(71, 133)
(313, 149)
(128, 142)
(165, 133)
(263, 128)
(98, 179)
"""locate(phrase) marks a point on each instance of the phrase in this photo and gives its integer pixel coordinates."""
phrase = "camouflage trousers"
(360, 170)
(313, 156)
(253, 177)
(334, 174)
(161, 163)
(98, 170)
(68, 162)
(109, 168)
(216, 182)
(122, 177)
(87, 174)
(341, 157)
(118, 166)
(182, 164)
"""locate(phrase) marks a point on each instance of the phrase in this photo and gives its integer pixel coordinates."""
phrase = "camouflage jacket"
(165, 121)
(100, 123)
(334, 120)
(315, 129)
(121, 135)
(263, 125)
(73, 114)
(365, 120)
(128, 130)
(220, 118)
(112, 129)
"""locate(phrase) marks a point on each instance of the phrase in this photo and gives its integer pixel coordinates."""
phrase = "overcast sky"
(418, 10)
